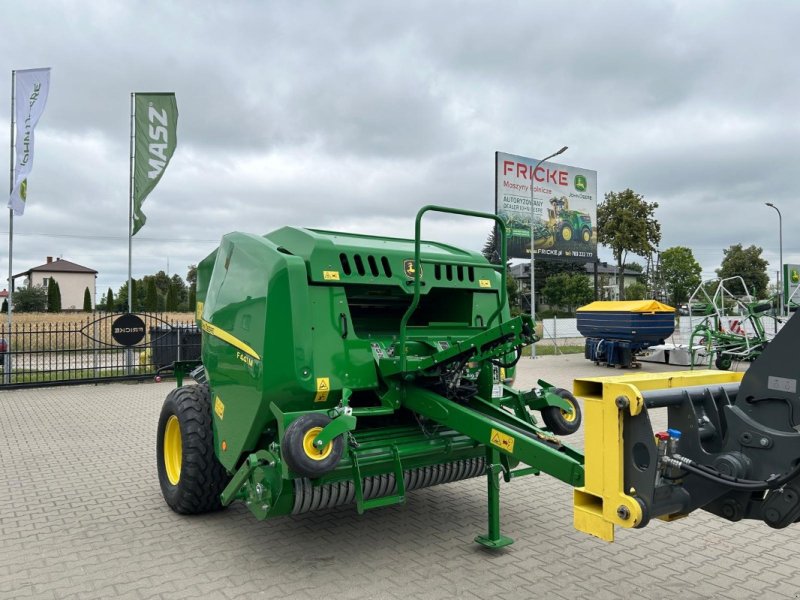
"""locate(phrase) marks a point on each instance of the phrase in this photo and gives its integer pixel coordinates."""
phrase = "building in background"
(72, 279)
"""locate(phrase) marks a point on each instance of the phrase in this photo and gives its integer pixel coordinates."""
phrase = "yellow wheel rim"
(566, 233)
(570, 417)
(173, 450)
(587, 236)
(308, 445)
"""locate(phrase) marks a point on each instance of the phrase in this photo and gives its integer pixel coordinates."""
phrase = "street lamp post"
(533, 241)
(780, 250)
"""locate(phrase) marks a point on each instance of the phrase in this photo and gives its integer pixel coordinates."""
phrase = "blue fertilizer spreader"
(616, 331)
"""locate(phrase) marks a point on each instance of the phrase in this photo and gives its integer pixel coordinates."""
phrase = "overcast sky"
(352, 115)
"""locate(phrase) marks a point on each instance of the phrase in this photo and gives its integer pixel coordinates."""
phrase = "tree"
(30, 299)
(193, 298)
(110, 300)
(151, 299)
(191, 275)
(680, 273)
(490, 252)
(567, 289)
(172, 299)
(51, 295)
(122, 295)
(58, 297)
(4, 310)
(181, 291)
(636, 291)
(748, 264)
(87, 300)
(625, 223)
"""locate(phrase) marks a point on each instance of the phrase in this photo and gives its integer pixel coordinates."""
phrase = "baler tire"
(557, 420)
(295, 440)
(200, 478)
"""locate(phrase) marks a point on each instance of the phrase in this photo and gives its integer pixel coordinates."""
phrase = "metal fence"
(47, 350)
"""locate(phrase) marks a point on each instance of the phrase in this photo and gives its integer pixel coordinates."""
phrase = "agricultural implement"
(616, 331)
(722, 338)
(351, 369)
(569, 225)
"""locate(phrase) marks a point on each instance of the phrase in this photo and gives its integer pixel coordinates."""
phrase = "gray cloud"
(353, 115)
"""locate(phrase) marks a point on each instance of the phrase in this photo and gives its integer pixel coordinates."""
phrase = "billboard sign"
(564, 208)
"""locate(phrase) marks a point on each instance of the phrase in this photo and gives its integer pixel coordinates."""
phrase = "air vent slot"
(359, 265)
(373, 266)
(387, 269)
(345, 264)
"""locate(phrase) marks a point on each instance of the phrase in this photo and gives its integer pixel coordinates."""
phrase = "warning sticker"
(330, 275)
(323, 388)
(219, 408)
(502, 441)
(485, 283)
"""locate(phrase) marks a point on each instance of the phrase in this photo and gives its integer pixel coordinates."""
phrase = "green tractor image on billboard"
(569, 225)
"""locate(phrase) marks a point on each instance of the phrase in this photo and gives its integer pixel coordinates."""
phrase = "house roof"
(58, 266)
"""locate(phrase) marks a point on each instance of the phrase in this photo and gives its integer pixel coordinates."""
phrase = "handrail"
(417, 268)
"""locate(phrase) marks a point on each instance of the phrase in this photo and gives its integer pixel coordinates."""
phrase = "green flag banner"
(155, 136)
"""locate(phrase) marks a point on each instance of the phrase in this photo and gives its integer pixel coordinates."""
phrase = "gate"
(42, 352)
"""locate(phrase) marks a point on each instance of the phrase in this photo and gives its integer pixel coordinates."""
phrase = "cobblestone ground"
(81, 516)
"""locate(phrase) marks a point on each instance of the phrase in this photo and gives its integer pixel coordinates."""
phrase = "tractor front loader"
(351, 369)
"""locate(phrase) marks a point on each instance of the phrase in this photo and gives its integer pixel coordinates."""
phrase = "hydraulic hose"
(749, 485)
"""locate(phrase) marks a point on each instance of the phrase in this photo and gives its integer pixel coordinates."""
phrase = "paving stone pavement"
(81, 516)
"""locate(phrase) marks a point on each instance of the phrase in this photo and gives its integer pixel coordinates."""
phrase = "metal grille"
(38, 353)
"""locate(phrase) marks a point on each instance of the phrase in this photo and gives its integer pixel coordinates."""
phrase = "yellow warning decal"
(502, 441)
(485, 283)
(323, 388)
(219, 407)
(199, 311)
(330, 275)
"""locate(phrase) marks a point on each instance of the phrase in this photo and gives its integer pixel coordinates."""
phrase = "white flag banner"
(30, 97)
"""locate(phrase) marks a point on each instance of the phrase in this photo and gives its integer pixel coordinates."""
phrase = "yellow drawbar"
(603, 501)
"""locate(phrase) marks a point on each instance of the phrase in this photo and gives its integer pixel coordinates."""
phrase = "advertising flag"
(156, 125)
(30, 96)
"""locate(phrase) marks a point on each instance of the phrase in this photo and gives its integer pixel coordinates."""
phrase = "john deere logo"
(580, 183)
(795, 276)
(410, 269)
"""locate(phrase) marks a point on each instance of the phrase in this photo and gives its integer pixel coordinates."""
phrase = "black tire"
(200, 476)
(561, 422)
(295, 446)
(565, 232)
(723, 362)
(586, 235)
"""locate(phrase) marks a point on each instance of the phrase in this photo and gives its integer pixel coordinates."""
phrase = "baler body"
(306, 309)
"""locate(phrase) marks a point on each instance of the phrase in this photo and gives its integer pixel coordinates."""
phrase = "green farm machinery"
(352, 369)
(731, 327)
(569, 225)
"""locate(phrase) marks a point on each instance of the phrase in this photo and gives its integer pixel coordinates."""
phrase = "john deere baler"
(346, 368)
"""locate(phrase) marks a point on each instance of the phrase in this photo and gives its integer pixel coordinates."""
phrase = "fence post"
(7, 362)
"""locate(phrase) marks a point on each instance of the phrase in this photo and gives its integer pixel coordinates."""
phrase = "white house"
(72, 279)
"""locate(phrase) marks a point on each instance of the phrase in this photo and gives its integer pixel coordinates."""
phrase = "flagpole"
(130, 209)
(8, 366)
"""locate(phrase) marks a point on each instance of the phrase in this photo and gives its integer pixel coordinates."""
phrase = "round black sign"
(127, 330)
